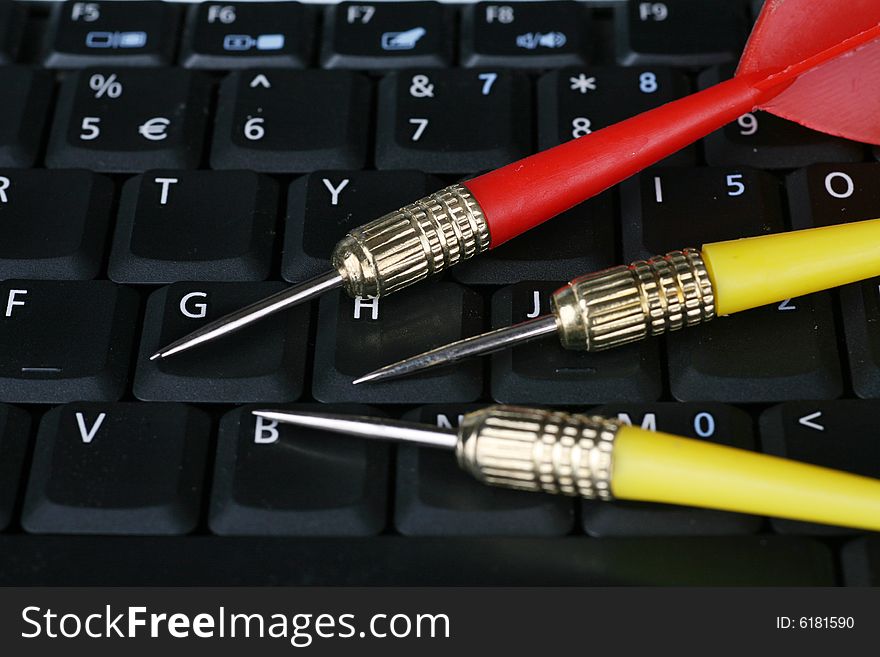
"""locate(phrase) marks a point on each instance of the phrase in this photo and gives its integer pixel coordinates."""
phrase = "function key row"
(127, 120)
(363, 35)
(129, 468)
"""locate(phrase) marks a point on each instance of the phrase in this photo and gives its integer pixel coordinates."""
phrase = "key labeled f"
(11, 301)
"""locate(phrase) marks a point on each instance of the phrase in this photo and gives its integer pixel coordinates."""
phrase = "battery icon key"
(244, 42)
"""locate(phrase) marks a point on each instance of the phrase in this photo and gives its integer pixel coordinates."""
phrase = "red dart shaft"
(528, 192)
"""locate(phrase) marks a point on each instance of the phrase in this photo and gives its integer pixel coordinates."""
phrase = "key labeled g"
(194, 310)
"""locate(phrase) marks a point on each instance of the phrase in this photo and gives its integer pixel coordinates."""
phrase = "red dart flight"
(816, 62)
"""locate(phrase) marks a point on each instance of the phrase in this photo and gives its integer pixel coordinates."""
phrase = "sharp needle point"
(239, 319)
(366, 427)
(477, 345)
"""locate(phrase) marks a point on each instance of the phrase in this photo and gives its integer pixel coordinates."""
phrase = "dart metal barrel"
(625, 304)
(412, 243)
(539, 450)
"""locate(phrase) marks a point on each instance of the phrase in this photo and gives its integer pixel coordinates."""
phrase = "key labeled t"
(166, 185)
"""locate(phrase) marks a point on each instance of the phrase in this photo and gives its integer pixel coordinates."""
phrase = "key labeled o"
(834, 189)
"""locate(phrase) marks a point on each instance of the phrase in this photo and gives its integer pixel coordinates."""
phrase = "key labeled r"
(4, 185)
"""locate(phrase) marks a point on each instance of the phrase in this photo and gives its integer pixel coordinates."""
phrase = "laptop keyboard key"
(324, 205)
(130, 120)
(672, 208)
(574, 102)
(291, 121)
(688, 33)
(263, 364)
(578, 241)
(830, 194)
(12, 19)
(526, 34)
(758, 139)
(65, 340)
(452, 121)
(543, 372)
(114, 32)
(54, 223)
(14, 427)
(745, 358)
(708, 421)
(383, 35)
(242, 34)
(861, 320)
(117, 469)
(356, 336)
(838, 434)
(434, 497)
(195, 225)
(280, 480)
(861, 562)
(23, 113)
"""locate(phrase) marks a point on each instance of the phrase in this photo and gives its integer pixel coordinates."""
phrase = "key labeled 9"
(748, 124)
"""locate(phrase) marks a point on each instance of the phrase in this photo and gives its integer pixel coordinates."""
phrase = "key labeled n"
(86, 432)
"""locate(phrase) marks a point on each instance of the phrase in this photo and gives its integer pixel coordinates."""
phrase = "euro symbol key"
(155, 129)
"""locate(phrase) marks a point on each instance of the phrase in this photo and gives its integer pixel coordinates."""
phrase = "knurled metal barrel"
(539, 450)
(412, 243)
(625, 304)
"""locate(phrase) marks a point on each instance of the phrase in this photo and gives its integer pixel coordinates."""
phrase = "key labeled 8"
(580, 126)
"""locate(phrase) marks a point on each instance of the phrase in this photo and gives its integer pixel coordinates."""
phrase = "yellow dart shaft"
(658, 467)
(755, 271)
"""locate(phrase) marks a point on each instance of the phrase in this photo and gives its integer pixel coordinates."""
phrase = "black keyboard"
(162, 164)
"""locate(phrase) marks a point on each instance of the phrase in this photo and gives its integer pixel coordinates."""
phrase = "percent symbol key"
(130, 120)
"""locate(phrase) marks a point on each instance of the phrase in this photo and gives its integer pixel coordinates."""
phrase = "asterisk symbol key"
(583, 83)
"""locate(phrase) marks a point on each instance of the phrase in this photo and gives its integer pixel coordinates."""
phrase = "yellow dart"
(596, 458)
(627, 303)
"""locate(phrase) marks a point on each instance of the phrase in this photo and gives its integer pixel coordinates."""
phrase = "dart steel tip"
(477, 345)
(365, 427)
(239, 319)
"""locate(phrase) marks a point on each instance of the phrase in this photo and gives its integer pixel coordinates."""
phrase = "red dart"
(811, 61)
(806, 60)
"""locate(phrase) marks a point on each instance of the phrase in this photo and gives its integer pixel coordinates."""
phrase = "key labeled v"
(88, 433)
